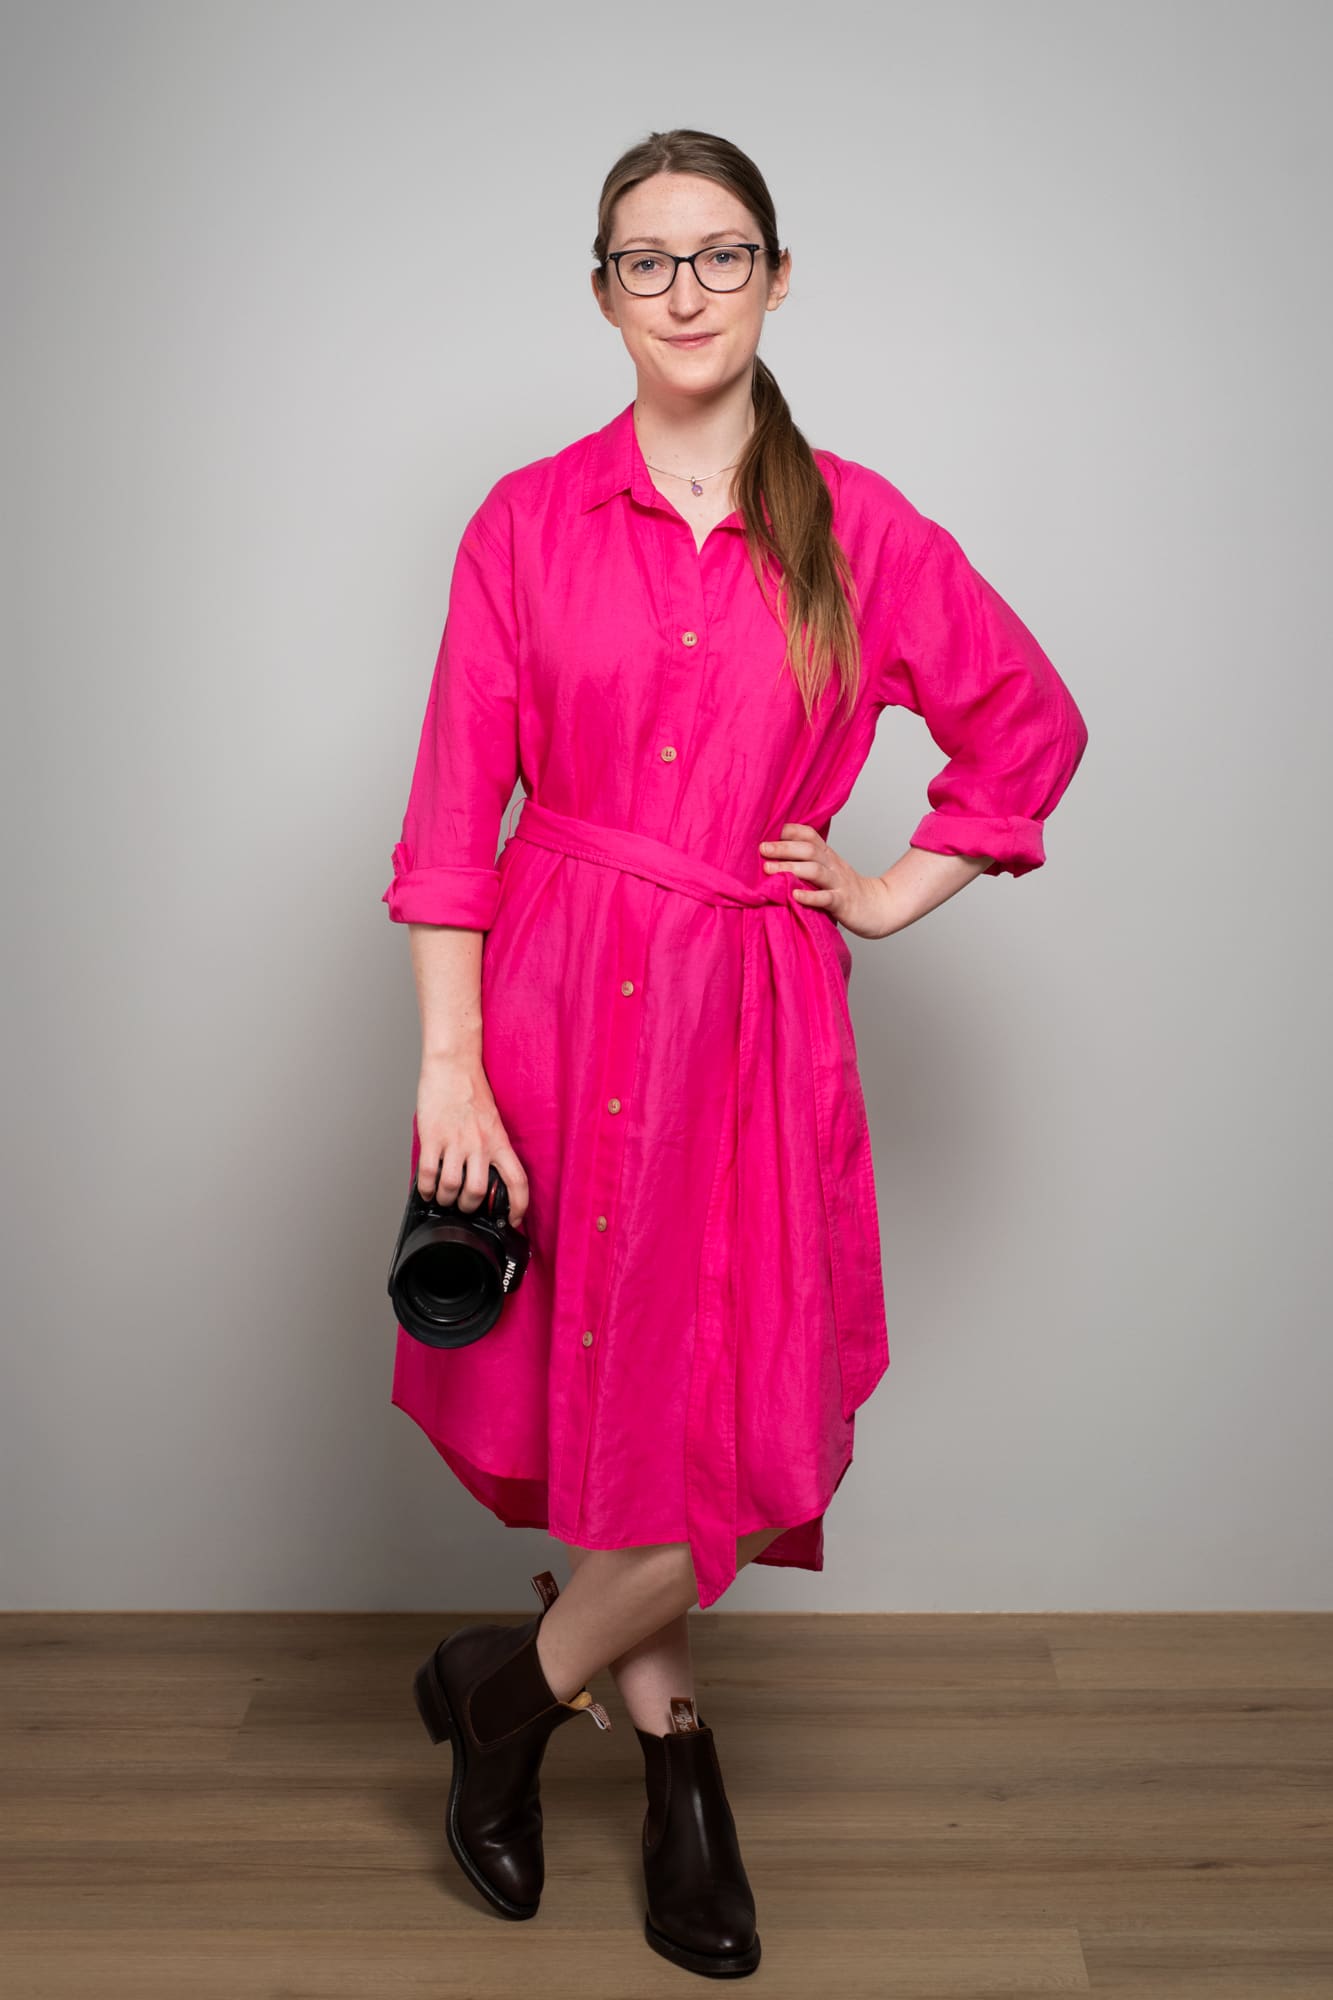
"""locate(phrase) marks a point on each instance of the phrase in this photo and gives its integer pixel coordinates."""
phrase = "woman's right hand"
(462, 1136)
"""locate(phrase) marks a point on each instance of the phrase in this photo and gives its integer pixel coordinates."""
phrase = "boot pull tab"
(546, 1588)
(684, 1714)
(583, 1699)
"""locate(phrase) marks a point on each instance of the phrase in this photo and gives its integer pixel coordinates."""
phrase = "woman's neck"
(692, 439)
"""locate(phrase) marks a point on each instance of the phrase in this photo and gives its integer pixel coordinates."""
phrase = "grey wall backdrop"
(1056, 274)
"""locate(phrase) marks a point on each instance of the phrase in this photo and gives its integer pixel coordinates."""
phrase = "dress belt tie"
(802, 958)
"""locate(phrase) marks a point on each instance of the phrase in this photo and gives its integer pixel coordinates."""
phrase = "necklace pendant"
(695, 487)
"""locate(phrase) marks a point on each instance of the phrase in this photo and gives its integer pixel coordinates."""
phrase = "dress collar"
(616, 465)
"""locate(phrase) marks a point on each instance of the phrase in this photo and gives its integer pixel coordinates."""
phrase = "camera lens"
(447, 1283)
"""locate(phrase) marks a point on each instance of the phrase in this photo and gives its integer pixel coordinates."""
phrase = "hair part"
(780, 492)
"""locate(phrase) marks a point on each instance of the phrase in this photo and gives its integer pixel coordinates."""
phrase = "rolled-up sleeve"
(444, 867)
(961, 658)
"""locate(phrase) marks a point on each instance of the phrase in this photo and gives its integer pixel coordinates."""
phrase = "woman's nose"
(687, 290)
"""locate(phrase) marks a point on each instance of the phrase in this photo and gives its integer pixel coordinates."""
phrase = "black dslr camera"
(451, 1272)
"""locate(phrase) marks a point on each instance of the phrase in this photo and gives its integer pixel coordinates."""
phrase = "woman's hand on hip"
(862, 904)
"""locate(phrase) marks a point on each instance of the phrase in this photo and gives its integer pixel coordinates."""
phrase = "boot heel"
(431, 1709)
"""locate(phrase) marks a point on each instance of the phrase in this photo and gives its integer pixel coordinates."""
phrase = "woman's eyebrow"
(656, 242)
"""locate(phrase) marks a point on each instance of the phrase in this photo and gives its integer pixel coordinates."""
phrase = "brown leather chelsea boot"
(700, 1906)
(483, 1688)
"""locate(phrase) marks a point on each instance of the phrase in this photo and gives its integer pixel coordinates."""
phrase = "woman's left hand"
(860, 903)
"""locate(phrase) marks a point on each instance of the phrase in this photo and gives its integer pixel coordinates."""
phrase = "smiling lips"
(687, 339)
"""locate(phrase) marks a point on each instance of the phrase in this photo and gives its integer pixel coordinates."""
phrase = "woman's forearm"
(921, 880)
(446, 964)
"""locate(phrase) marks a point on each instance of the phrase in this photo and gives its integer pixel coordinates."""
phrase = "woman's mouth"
(687, 339)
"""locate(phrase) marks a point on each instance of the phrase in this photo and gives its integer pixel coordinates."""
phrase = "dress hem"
(809, 1557)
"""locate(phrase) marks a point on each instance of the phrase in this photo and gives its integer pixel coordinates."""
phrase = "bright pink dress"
(666, 1031)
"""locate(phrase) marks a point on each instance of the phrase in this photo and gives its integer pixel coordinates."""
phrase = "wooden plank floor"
(242, 1807)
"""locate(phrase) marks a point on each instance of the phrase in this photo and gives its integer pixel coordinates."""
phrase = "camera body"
(451, 1272)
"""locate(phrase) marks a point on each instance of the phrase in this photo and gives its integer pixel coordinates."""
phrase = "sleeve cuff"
(1016, 844)
(467, 897)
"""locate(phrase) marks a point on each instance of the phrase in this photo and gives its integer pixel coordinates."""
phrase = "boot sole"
(433, 1706)
(707, 1962)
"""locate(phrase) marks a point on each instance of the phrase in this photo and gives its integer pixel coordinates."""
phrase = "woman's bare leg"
(647, 1675)
(616, 1601)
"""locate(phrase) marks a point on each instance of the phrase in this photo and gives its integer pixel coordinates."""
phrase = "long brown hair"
(780, 492)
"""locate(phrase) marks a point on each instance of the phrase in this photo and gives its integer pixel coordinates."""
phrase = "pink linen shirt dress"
(665, 1030)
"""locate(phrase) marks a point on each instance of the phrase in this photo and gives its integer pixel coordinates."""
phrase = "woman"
(679, 631)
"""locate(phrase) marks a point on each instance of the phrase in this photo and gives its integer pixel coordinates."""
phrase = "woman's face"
(682, 213)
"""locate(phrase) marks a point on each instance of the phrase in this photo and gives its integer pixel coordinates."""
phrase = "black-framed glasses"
(725, 268)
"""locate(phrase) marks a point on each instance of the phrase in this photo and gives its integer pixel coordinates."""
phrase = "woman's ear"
(602, 294)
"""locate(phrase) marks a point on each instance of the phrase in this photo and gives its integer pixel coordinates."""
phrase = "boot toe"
(514, 1884)
(722, 1928)
(512, 1860)
(717, 1956)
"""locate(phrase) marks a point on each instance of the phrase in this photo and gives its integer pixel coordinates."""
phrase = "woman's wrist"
(460, 1052)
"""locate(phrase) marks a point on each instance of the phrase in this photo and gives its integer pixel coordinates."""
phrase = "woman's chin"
(693, 372)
